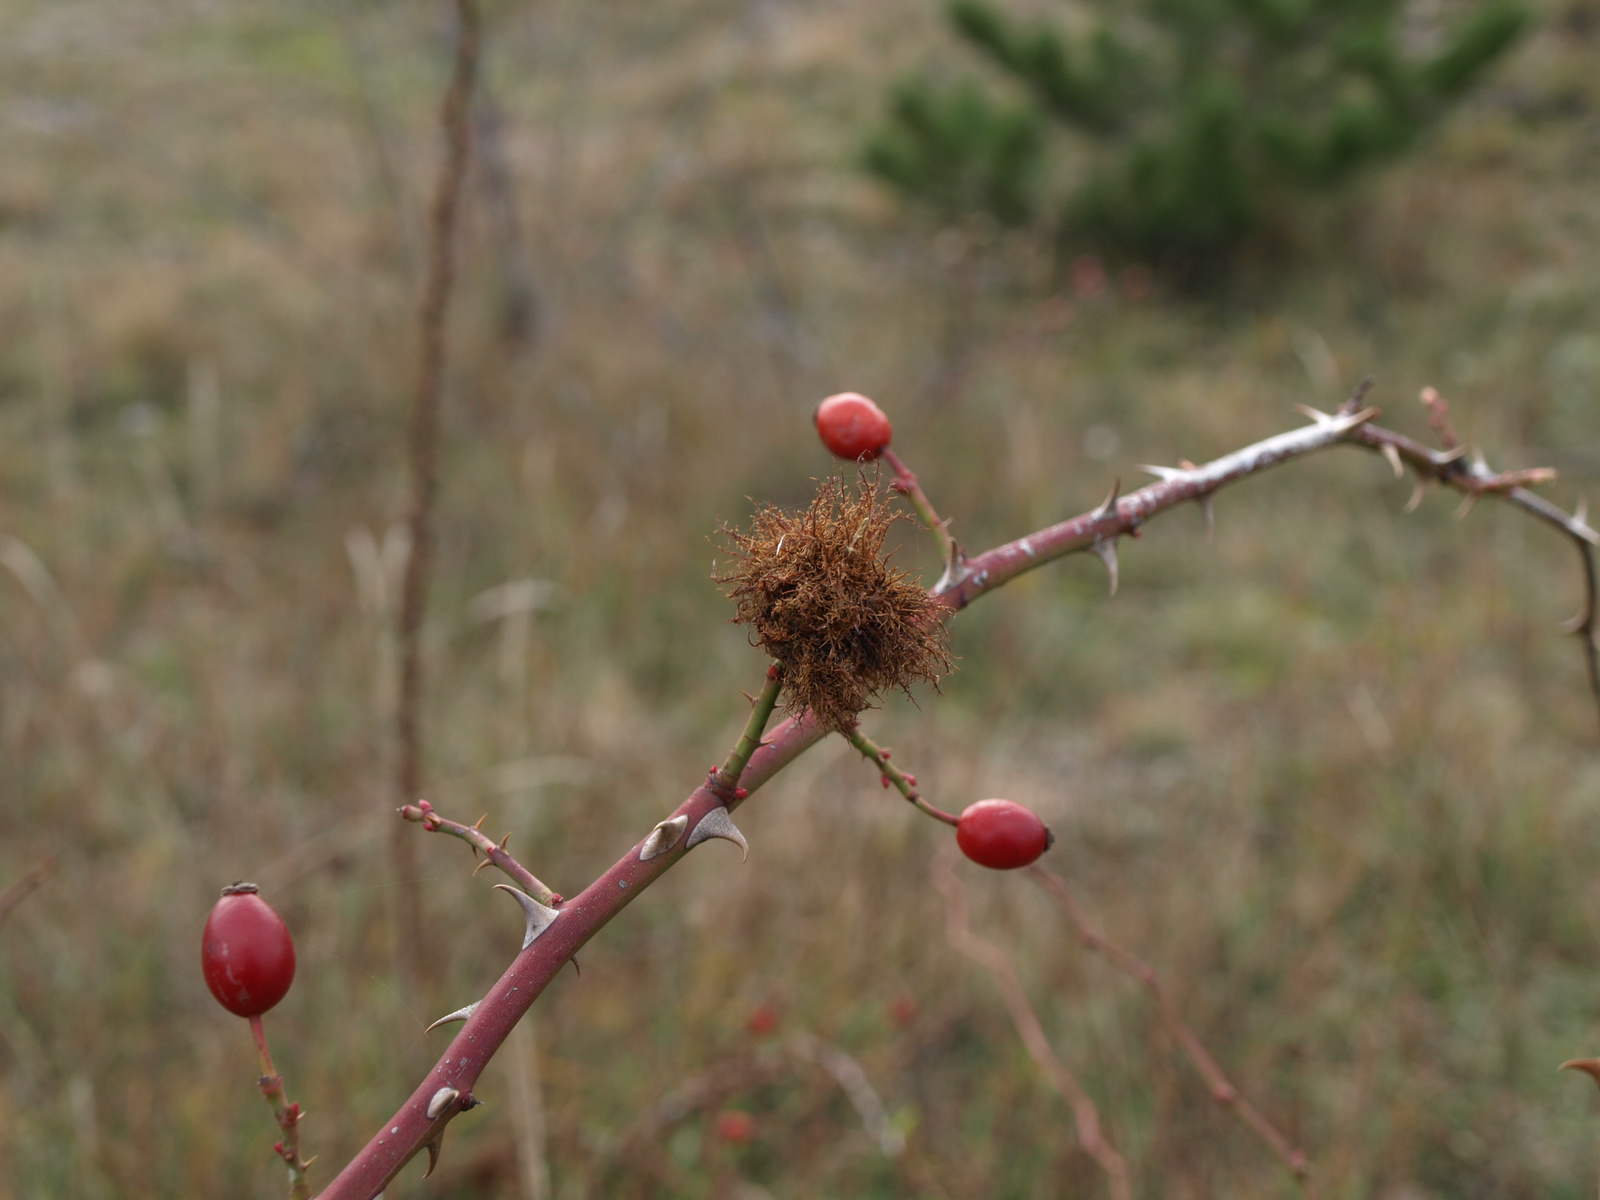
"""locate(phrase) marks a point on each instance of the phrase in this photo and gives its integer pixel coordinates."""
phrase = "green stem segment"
(905, 481)
(905, 784)
(287, 1115)
(727, 776)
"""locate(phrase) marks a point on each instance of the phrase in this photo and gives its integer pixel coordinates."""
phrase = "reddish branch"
(494, 853)
(31, 881)
(581, 917)
(998, 963)
(456, 117)
(1222, 1089)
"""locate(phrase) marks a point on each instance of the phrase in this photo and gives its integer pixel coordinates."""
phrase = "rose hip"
(1002, 834)
(246, 952)
(852, 426)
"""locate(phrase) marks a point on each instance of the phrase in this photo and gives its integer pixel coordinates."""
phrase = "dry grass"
(1333, 775)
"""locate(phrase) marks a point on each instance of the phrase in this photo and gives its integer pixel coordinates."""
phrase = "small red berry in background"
(852, 426)
(763, 1019)
(246, 952)
(1002, 834)
(904, 1010)
(736, 1127)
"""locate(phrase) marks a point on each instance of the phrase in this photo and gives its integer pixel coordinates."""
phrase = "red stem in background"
(456, 117)
(410, 1129)
(1222, 1089)
(998, 963)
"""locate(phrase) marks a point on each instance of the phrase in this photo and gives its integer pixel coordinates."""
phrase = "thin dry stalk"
(1222, 1088)
(998, 963)
(455, 116)
(30, 882)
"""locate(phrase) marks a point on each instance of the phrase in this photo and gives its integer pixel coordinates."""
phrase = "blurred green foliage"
(1198, 122)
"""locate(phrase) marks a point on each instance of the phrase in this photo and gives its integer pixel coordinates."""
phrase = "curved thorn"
(663, 837)
(1109, 505)
(1106, 552)
(1392, 457)
(1590, 1067)
(1576, 625)
(1211, 517)
(718, 824)
(433, 1153)
(1416, 497)
(1480, 465)
(1316, 414)
(539, 917)
(1581, 513)
(1466, 505)
(460, 1014)
(442, 1099)
(1444, 458)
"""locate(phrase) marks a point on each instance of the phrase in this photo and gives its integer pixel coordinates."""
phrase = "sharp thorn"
(442, 1099)
(1211, 517)
(1575, 625)
(1316, 414)
(1590, 1066)
(460, 1014)
(1581, 515)
(1393, 458)
(1444, 458)
(1109, 504)
(486, 862)
(1479, 463)
(478, 824)
(539, 917)
(504, 840)
(1466, 505)
(718, 824)
(663, 837)
(1106, 552)
(1416, 497)
(433, 1153)
(1165, 474)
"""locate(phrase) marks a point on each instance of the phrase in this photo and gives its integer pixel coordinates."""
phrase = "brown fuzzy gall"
(819, 596)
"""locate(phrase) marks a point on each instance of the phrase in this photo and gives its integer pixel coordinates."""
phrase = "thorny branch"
(998, 963)
(414, 1126)
(1222, 1088)
(456, 117)
(494, 853)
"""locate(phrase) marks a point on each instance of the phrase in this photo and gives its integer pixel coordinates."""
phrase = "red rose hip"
(1002, 834)
(246, 952)
(852, 426)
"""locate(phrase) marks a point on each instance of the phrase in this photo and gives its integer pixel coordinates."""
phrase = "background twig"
(998, 963)
(456, 117)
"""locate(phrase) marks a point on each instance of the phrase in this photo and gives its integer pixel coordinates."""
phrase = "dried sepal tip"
(539, 916)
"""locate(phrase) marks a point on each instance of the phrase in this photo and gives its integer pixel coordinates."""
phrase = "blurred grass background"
(1334, 775)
